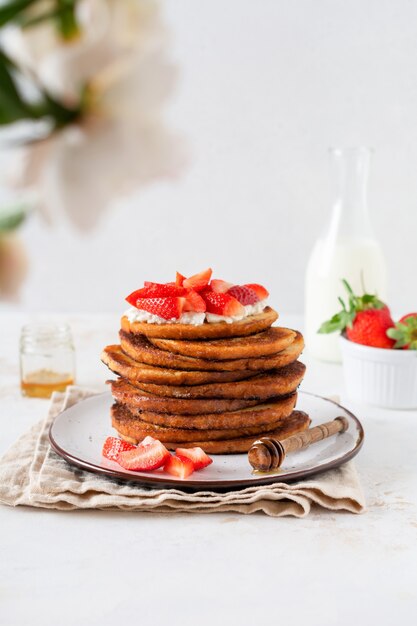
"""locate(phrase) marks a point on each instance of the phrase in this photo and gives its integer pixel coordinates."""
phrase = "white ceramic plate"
(79, 432)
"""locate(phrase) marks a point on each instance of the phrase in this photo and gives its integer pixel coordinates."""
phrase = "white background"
(264, 89)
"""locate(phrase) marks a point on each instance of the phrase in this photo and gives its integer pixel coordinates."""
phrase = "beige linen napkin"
(32, 474)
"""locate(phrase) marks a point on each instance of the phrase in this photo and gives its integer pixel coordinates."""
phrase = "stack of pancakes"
(219, 386)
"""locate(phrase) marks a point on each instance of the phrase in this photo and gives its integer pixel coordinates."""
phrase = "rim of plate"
(194, 485)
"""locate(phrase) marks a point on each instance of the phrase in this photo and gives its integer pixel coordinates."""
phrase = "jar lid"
(46, 333)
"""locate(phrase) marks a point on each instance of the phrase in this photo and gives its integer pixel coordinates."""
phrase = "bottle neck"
(350, 216)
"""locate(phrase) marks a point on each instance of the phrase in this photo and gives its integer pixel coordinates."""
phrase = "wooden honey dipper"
(268, 453)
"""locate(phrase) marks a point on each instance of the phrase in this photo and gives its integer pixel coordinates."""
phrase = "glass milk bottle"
(347, 249)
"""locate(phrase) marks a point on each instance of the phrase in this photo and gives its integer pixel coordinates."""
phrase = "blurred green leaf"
(12, 106)
(11, 10)
(11, 218)
(63, 15)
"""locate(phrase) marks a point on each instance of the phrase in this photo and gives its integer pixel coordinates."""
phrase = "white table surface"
(100, 567)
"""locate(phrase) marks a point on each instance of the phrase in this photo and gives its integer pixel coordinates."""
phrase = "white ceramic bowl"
(378, 376)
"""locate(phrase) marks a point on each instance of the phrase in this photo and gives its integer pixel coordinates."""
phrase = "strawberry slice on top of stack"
(199, 294)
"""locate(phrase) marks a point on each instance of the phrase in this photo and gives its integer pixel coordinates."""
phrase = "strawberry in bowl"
(405, 332)
(379, 355)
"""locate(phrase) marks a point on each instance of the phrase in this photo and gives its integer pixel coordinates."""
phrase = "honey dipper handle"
(268, 453)
(307, 437)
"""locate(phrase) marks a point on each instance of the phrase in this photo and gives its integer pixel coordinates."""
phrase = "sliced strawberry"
(198, 281)
(145, 457)
(147, 440)
(168, 308)
(223, 304)
(181, 468)
(260, 291)
(156, 290)
(194, 302)
(179, 279)
(220, 286)
(196, 455)
(113, 446)
(132, 297)
(245, 295)
(149, 283)
(204, 290)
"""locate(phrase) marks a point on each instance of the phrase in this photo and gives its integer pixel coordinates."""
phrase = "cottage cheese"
(190, 317)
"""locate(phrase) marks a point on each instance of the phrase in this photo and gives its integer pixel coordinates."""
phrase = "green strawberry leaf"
(346, 317)
(337, 323)
(404, 333)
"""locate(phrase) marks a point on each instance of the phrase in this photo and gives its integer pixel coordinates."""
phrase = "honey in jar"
(47, 359)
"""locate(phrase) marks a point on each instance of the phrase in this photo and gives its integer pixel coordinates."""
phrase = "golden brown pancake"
(139, 348)
(123, 365)
(278, 382)
(294, 423)
(268, 342)
(133, 426)
(265, 413)
(124, 392)
(248, 326)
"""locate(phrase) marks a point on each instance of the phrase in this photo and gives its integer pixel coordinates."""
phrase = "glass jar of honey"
(47, 359)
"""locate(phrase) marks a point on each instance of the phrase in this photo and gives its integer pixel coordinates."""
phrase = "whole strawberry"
(405, 332)
(365, 320)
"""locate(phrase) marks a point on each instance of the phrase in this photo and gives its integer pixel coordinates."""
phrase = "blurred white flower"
(118, 63)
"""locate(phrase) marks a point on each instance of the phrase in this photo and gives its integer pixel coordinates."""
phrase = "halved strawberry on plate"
(113, 446)
(167, 308)
(179, 467)
(196, 455)
(223, 304)
(147, 456)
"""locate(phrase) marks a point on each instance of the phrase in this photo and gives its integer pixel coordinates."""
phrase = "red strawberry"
(198, 281)
(370, 328)
(194, 302)
(113, 446)
(405, 332)
(366, 320)
(245, 295)
(408, 317)
(196, 455)
(145, 457)
(181, 468)
(260, 291)
(179, 279)
(148, 439)
(204, 290)
(223, 304)
(220, 286)
(168, 308)
(149, 283)
(156, 290)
